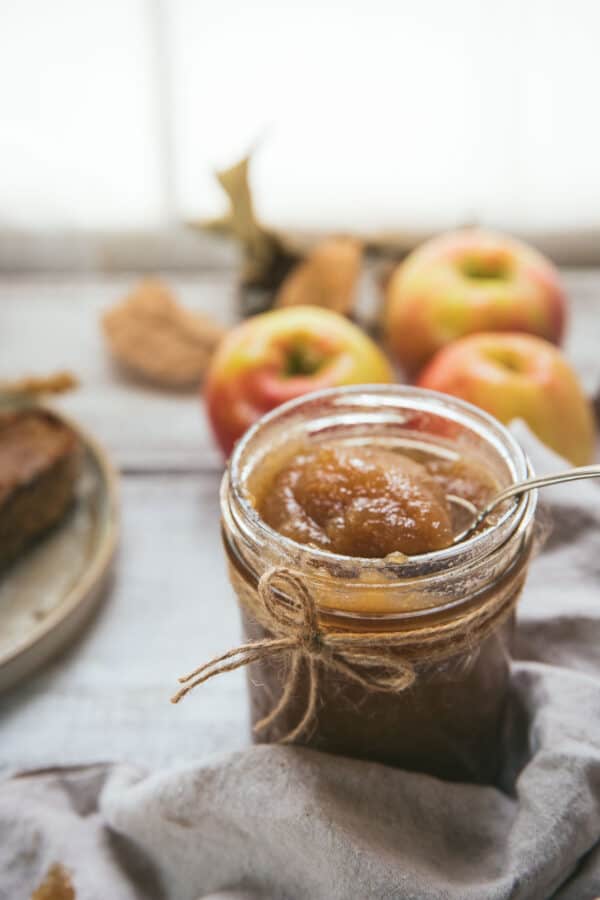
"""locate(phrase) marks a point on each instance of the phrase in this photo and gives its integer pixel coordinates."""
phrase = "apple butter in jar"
(379, 637)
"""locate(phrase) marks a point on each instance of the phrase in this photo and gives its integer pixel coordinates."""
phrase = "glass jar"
(449, 721)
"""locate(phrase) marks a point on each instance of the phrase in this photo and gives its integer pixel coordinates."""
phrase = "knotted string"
(367, 658)
(294, 624)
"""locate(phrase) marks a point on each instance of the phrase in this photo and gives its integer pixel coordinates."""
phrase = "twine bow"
(294, 624)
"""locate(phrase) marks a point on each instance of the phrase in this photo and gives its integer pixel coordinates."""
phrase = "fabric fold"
(286, 822)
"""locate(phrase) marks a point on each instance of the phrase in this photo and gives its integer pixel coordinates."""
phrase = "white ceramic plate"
(48, 594)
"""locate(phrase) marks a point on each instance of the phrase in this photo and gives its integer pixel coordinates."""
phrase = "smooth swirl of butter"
(374, 660)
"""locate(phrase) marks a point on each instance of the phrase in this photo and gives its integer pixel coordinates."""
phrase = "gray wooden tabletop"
(169, 606)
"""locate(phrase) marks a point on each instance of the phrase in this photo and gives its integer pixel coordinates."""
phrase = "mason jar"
(446, 616)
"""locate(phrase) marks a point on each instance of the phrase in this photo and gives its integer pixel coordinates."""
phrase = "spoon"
(516, 490)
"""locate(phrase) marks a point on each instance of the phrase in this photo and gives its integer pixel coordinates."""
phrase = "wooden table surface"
(169, 606)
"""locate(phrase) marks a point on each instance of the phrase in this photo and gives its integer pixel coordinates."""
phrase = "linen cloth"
(284, 822)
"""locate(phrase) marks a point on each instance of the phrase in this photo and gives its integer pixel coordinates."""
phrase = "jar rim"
(419, 400)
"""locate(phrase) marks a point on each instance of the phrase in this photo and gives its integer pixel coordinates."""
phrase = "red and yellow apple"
(465, 282)
(518, 376)
(279, 355)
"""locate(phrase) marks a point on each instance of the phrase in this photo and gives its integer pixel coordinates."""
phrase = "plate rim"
(86, 588)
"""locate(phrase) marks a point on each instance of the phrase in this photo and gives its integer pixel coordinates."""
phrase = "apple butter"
(349, 489)
(368, 501)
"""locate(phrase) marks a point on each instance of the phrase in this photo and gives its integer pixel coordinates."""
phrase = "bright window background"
(78, 134)
(368, 115)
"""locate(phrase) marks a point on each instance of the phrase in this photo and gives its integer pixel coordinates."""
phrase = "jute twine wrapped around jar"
(285, 607)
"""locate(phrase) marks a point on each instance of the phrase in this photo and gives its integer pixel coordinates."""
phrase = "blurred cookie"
(153, 335)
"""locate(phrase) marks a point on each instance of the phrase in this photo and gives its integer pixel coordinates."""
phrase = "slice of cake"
(39, 464)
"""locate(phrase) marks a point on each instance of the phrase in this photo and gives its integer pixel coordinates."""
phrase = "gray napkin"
(280, 822)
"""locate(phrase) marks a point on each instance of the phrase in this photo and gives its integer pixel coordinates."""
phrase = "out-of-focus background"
(392, 120)
(386, 115)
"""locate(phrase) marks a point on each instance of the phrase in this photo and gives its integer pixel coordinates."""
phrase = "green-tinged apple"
(468, 281)
(518, 376)
(279, 355)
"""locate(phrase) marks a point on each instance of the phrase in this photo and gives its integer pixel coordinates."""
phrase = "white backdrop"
(365, 113)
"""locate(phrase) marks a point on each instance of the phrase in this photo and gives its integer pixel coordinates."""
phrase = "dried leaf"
(57, 885)
(271, 255)
(37, 385)
(327, 277)
(267, 257)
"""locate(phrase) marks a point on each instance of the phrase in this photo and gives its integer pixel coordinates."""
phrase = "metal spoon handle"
(521, 487)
